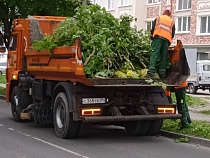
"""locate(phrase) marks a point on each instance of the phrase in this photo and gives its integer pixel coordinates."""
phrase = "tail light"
(166, 110)
(90, 111)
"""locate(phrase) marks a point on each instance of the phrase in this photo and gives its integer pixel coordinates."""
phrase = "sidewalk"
(3, 85)
(198, 116)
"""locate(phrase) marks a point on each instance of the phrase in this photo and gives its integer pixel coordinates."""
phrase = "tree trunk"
(7, 33)
(7, 23)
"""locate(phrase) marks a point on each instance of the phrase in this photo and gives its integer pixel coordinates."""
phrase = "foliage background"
(10, 9)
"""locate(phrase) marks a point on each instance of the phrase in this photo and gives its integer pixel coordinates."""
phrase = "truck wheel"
(19, 101)
(137, 128)
(15, 106)
(155, 127)
(64, 125)
(192, 89)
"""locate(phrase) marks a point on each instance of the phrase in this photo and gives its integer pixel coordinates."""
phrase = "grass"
(192, 101)
(206, 112)
(3, 79)
(181, 140)
(2, 91)
(195, 102)
(197, 128)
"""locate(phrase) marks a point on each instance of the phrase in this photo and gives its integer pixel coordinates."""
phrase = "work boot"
(182, 126)
(162, 73)
(149, 76)
(162, 76)
(155, 76)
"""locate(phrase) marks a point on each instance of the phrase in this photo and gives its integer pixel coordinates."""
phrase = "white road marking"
(48, 143)
(1, 125)
(23, 134)
(61, 148)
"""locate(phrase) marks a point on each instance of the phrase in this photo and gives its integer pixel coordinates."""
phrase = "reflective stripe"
(165, 28)
(182, 86)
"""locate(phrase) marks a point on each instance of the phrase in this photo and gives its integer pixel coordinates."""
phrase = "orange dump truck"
(54, 89)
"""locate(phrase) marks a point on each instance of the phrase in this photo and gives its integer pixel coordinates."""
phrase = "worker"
(180, 93)
(162, 33)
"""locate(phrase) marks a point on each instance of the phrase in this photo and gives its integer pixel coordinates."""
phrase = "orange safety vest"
(163, 27)
(182, 86)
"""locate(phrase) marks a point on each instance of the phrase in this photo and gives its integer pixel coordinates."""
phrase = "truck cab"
(201, 78)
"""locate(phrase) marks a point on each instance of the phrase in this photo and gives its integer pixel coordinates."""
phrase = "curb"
(172, 135)
(2, 97)
(193, 140)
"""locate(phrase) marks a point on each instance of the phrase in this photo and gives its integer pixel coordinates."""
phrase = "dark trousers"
(159, 53)
(182, 106)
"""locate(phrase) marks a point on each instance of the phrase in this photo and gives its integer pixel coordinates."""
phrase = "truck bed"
(64, 65)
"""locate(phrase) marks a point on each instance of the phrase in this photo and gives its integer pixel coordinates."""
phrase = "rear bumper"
(130, 118)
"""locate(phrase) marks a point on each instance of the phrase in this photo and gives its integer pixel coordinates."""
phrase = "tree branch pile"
(110, 46)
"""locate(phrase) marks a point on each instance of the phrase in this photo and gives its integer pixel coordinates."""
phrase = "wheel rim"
(60, 115)
(15, 104)
(192, 88)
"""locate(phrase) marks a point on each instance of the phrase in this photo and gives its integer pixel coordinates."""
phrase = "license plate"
(93, 100)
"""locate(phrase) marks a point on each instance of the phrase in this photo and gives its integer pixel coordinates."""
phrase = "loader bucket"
(179, 70)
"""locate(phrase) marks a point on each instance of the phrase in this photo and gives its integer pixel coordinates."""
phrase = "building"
(135, 8)
(192, 19)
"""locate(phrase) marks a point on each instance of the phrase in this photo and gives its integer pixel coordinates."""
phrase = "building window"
(184, 4)
(126, 2)
(148, 25)
(168, 2)
(205, 24)
(111, 4)
(183, 24)
(153, 1)
(97, 2)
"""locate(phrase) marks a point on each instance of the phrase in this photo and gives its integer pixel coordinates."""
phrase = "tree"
(10, 8)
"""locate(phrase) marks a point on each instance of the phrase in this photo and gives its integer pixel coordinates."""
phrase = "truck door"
(13, 58)
(205, 73)
(12, 54)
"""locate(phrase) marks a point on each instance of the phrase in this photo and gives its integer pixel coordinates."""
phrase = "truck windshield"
(13, 42)
(206, 67)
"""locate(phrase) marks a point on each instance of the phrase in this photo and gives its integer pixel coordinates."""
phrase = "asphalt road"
(28, 140)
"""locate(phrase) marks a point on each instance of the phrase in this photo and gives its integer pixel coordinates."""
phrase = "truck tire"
(192, 89)
(137, 128)
(155, 127)
(65, 126)
(19, 100)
